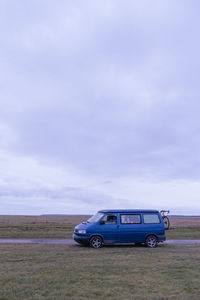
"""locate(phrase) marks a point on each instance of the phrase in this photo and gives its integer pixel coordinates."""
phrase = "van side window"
(130, 219)
(151, 219)
(110, 219)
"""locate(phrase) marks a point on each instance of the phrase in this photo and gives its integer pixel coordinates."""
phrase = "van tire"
(96, 242)
(151, 241)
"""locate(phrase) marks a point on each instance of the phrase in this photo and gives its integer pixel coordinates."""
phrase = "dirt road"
(72, 242)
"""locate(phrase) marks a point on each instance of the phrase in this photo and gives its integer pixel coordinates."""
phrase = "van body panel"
(110, 233)
(131, 233)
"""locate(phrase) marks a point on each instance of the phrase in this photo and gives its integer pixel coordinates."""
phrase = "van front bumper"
(81, 239)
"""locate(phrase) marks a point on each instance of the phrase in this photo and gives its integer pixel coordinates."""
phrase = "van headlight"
(82, 231)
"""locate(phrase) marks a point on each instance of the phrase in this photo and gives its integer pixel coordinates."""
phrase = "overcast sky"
(99, 106)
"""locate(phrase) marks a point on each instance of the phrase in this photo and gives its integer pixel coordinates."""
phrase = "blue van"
(121, 226)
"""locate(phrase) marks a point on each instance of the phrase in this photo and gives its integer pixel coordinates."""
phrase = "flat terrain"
(115, 272)
(184, 228)
(70, 272)
(61, 227)
(39, 226)
(185, 221)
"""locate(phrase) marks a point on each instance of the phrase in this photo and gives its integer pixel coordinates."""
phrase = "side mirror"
(102, 222)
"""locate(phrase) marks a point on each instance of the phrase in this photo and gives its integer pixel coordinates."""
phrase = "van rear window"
(130, 219)
(151, 219)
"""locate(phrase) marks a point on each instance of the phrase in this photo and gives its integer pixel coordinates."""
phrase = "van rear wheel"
(151, 241)
(96, 242)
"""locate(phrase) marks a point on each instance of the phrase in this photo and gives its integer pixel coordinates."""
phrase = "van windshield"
(95, 218)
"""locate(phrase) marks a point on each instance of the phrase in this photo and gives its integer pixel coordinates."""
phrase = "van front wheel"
(96, 242)
(151, 241)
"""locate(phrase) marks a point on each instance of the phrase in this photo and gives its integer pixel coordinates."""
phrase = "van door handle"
(117, 226)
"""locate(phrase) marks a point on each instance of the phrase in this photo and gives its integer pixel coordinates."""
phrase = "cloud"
(96, 92)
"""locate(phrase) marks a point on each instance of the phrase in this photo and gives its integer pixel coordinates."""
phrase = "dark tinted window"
(110, 219)
(130, 219)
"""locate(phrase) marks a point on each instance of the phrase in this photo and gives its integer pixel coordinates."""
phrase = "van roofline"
(128, 211)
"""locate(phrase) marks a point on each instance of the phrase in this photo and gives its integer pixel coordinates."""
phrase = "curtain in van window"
(130, 219)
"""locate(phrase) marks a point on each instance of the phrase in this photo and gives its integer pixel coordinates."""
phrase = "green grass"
(36, 231)
(39, 226)
(38, 272)
(184, 233)
(114, 272)
(63, 226)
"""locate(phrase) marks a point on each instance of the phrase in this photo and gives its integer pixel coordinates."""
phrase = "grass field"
(184, 228)
(39, 226)
(62, 227)
(41, 272)
(67, 272)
